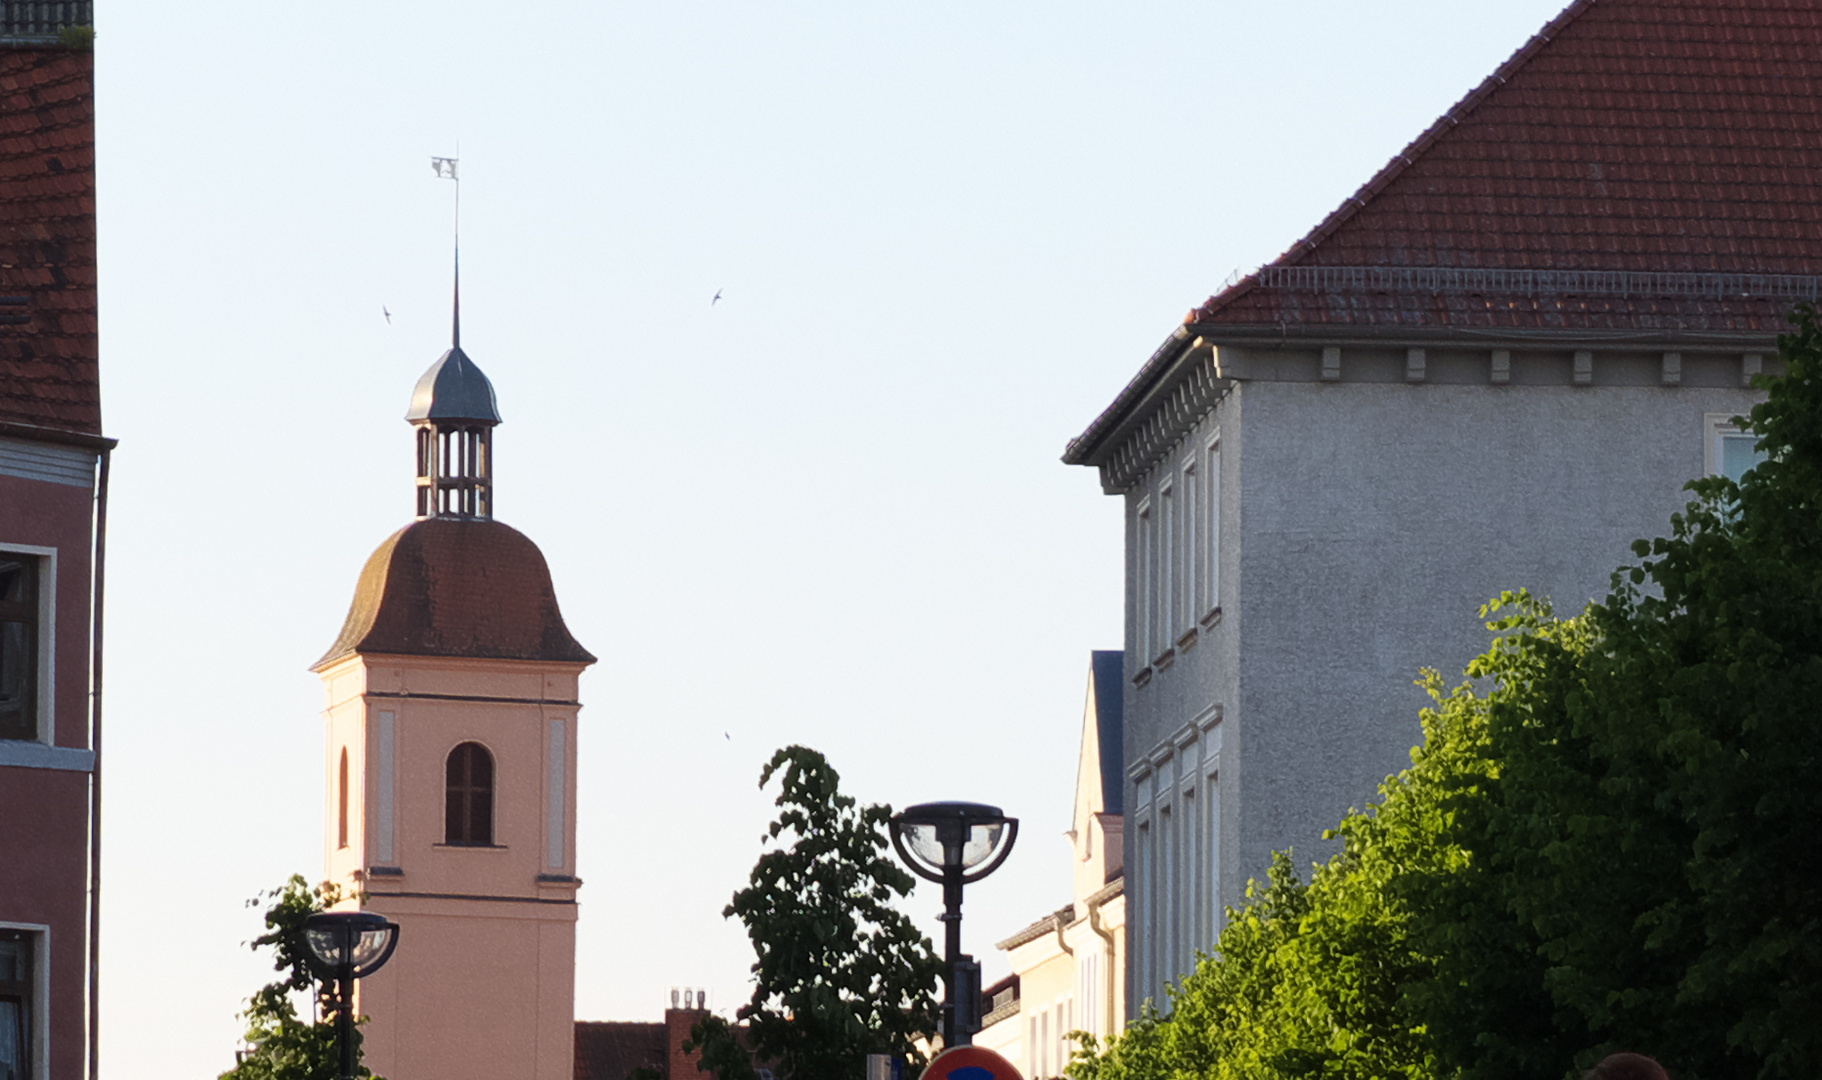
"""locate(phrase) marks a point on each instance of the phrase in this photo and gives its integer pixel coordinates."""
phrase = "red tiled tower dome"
(457, 587)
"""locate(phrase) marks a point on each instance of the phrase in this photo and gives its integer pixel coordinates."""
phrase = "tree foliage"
(285, 1046)
(839, 972)
(1606, 840)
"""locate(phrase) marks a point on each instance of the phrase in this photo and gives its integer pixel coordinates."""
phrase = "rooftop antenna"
(445, 167)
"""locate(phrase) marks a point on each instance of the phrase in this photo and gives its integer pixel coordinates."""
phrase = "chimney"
(677, 1024)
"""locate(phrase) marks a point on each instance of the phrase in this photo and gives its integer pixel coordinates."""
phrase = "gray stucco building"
(1493, 367)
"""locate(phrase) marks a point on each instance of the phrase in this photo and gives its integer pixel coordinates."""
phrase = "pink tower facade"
(451, 769)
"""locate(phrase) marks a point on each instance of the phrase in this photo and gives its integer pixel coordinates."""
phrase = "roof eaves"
(68, 436)
(1062, 917)
(1083, 447)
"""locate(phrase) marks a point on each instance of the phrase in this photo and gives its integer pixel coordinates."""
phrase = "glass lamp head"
(942, 839)
(356, 942)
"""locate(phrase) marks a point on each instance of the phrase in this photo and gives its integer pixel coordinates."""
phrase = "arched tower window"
(468, 806)
(341, 814)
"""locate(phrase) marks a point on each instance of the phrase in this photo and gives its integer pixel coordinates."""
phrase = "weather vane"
(445, 168)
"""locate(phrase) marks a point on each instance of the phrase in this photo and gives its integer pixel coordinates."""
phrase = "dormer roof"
(454, 389)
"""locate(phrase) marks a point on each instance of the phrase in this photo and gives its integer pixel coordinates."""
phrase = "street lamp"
(345, 946)
(955, 844)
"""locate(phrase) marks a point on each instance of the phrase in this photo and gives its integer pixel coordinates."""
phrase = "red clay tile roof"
(457, 587)
(609, 1050)
(49, 346)
(1681, 138)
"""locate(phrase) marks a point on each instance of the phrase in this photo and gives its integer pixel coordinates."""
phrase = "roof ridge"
(1391, 170)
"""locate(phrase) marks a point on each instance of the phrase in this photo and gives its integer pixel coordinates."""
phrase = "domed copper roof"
(457, 587)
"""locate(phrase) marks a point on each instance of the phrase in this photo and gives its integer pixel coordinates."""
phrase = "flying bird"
(717, 299)
(386, 313)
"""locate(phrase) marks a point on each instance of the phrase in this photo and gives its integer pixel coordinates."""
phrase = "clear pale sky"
(828, 509)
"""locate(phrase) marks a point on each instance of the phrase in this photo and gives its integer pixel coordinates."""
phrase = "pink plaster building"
(53, 483)
(451, 768)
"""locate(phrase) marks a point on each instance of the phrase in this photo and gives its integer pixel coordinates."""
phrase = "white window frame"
(1193, 556)
(1716, 427)
(41, 994)
(1141, 897)
(1211, 533)
(1167, 567)
(47, 637)
(1146, 584)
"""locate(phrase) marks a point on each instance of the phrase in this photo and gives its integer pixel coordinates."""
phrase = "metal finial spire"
(445, 167)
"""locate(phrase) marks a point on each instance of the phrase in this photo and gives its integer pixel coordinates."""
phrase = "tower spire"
(454, 412)
(446, 167)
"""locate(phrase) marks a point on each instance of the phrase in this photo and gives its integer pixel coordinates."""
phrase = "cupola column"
(455, 470)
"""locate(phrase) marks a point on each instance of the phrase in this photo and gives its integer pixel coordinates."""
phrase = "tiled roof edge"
(1408, 156)
(1080, 448)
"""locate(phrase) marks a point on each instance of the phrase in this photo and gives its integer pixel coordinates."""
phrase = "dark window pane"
(468, 800)
(18, 647)
(15, 1005)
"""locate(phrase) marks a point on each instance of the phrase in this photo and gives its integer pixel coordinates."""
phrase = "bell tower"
(451, 767)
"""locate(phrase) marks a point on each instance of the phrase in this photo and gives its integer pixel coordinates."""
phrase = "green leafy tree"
(285, 1046)
(1654, 825)
(839, 972)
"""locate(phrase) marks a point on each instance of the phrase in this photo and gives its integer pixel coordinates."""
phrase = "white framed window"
(1728, 451)
(1210, 549)
(1146, 903)
(1211, 849)
(1193, 556)
(25, 965)
(1167, 565)
(1146, 586)
(28, 618)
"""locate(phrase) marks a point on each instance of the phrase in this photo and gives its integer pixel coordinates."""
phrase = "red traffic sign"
(970, 1063)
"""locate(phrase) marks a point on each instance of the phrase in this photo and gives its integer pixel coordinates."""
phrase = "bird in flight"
(386, 313)
(717, 299)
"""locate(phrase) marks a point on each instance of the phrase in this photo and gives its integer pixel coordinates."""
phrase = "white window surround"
(47, 674)
(1718, 429)
(41, 995)
(1211, 528)
(1166, 588)
(1146, 585)
(1194, 558)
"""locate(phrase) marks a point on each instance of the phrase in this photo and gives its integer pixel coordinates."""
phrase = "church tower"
(451, 738)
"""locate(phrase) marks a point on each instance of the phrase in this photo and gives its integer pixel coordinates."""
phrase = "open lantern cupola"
(454, 411)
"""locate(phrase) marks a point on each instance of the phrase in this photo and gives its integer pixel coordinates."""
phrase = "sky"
(828, 509)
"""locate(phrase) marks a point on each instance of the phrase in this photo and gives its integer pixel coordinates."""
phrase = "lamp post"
(345, 946)
(955, 844)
